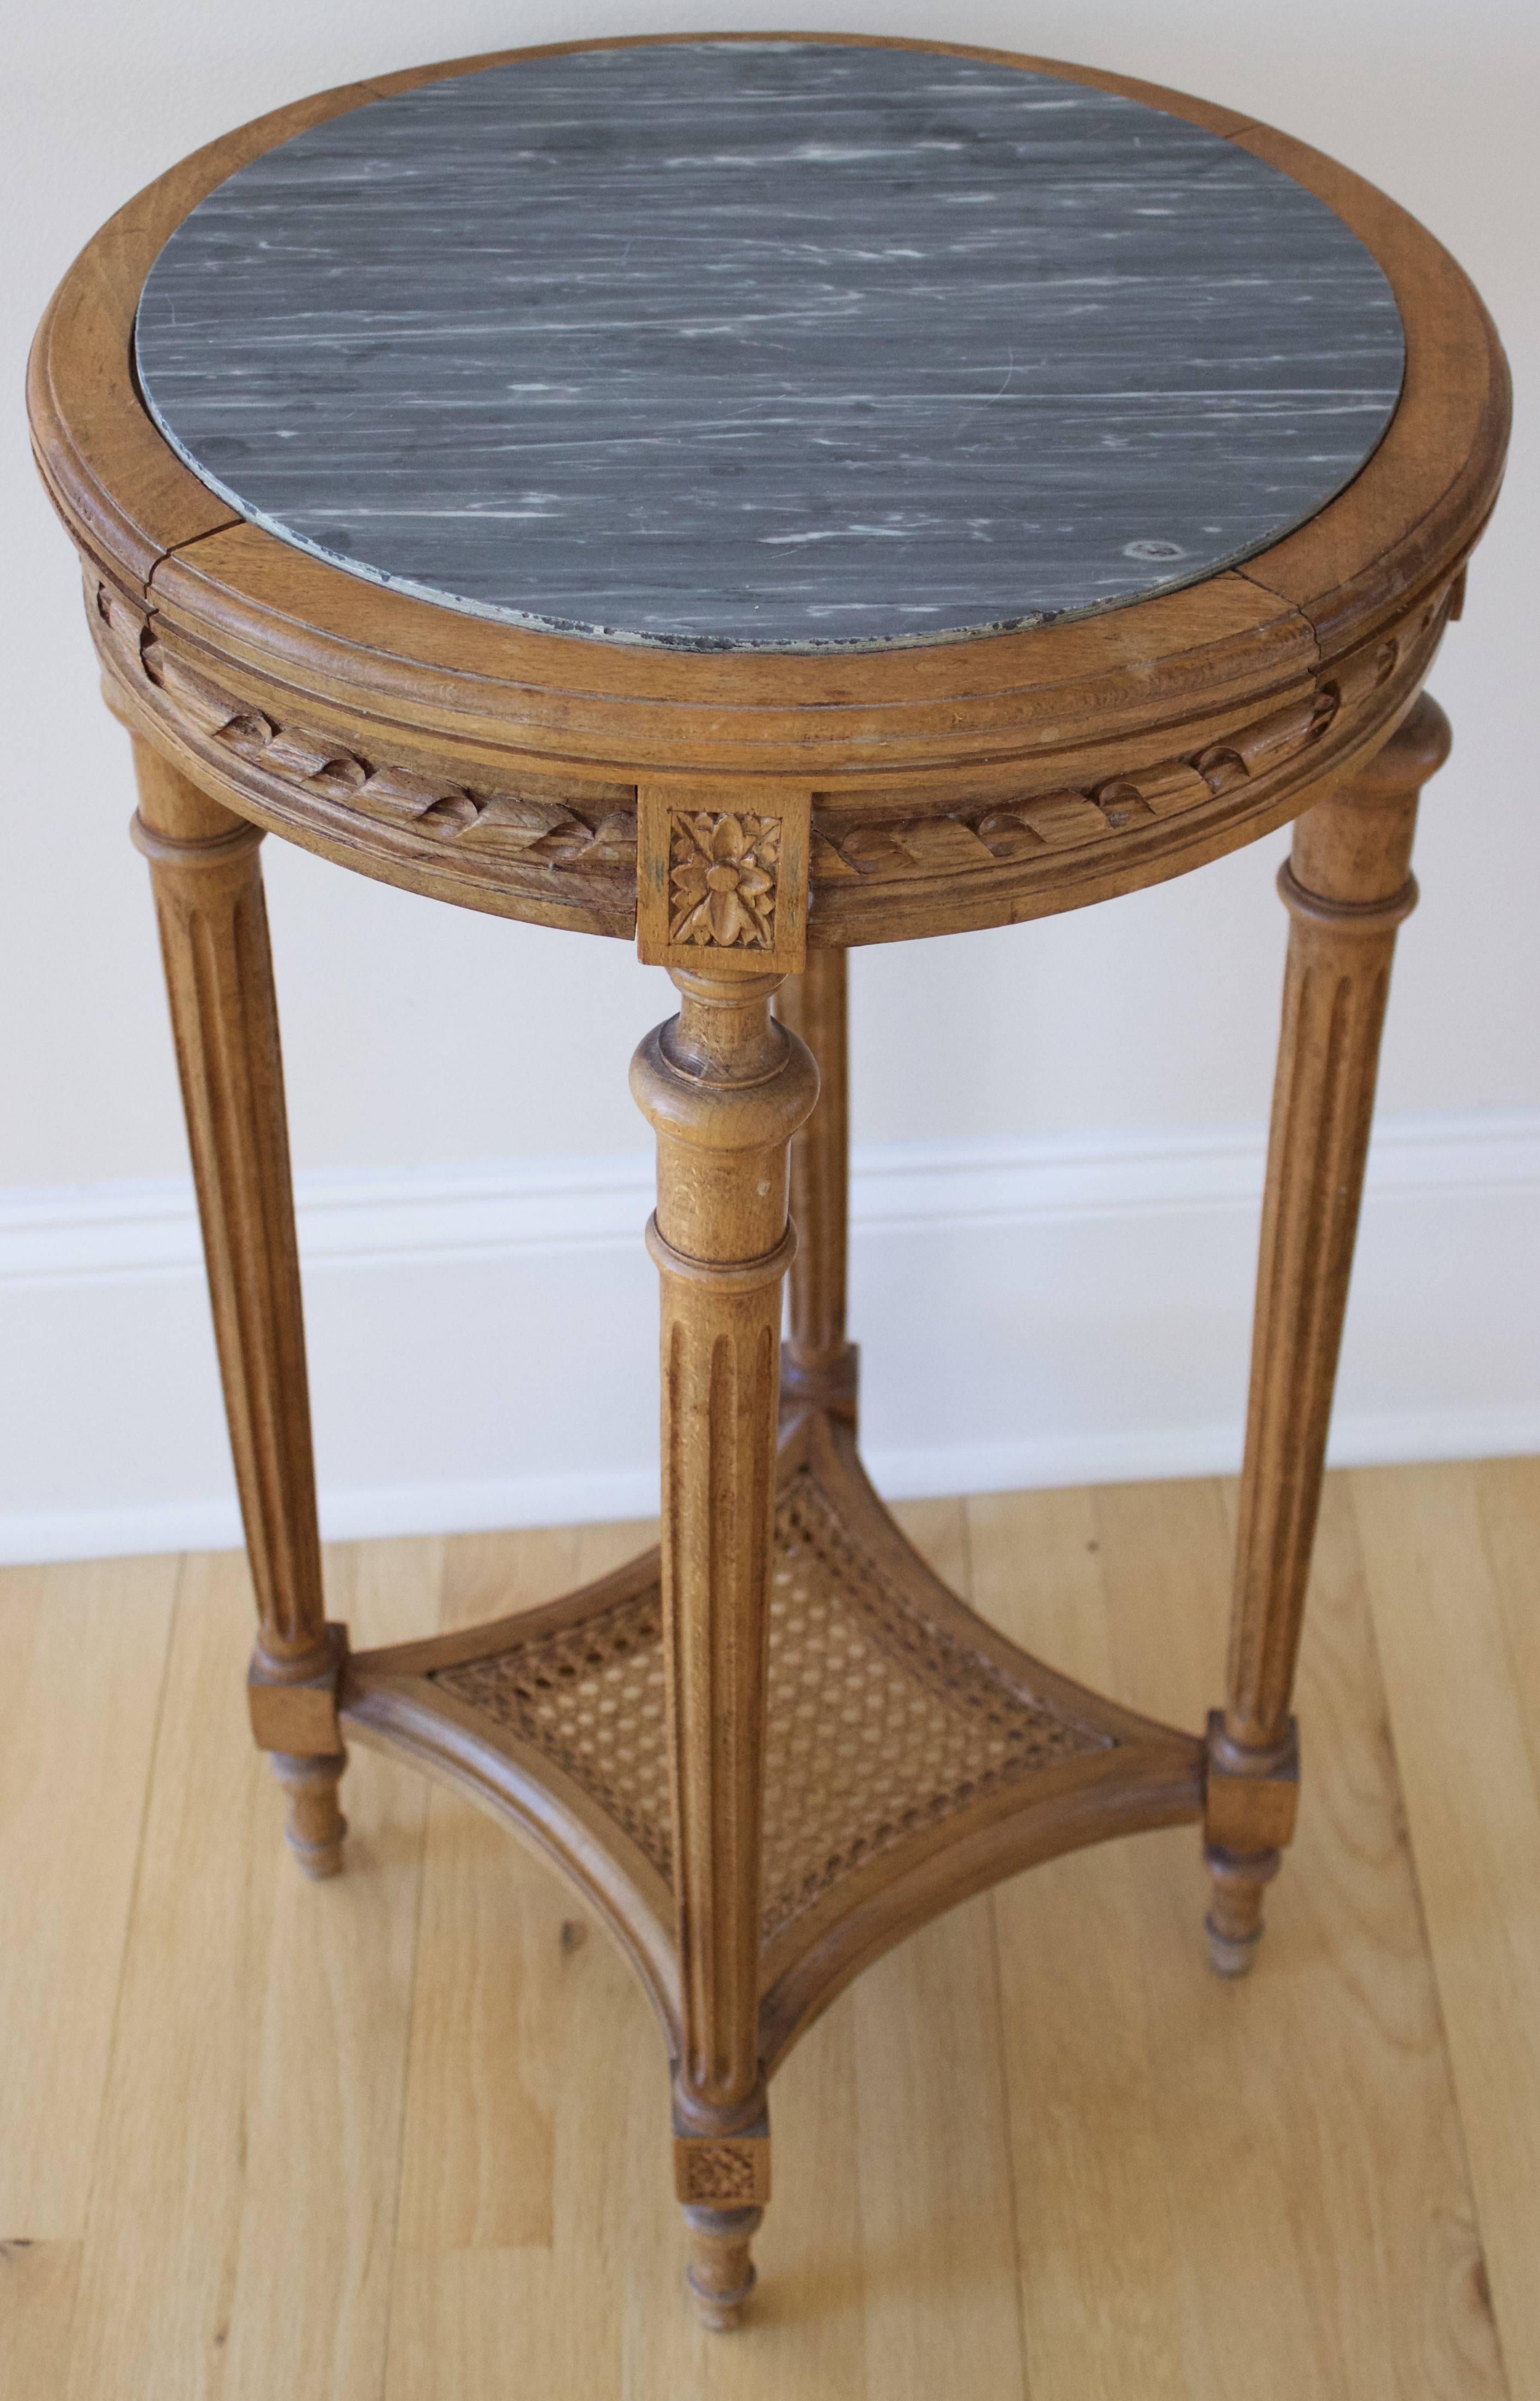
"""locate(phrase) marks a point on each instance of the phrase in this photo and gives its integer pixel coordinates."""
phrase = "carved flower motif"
(723, 879)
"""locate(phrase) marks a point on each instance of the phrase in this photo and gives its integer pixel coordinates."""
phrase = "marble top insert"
(769, 345)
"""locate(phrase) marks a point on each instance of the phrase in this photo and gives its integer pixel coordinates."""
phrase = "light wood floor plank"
(38, 2286)
(85, 1652)
(1100, 2223)
(1446, 1550)
(478, 2158)
(937, 2221)
(1507, 1498)
(805, 2336)
(309, 2310)
(1306, 2117)
(480, 2147)
(547, 2319)
(163, 2235)
(600, 1548)
(939, 1531)
(405, 2137)
(938, 2212)
(486, 1576)
(529, 2040)
(239, 2231)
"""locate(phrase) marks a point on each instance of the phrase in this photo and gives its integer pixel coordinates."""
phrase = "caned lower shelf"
(913, 1754)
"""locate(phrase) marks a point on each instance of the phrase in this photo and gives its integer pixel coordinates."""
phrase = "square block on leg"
(300, 1719)
(721, 889)
(723, 2170)
(1243, 1812)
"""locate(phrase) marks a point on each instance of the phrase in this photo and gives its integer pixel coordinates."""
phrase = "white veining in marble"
(770, 345)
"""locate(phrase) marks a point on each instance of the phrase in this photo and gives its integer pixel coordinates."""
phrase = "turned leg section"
(726, 1088)
(819, 1368)
(1347, 888)
(207, 875)
(316, 1823)
(720, 2274)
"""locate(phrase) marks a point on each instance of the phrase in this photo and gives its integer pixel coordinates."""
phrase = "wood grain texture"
(959, 784)
(1064, 795)
(496, 1944)
(1347, 888)
(807, 2330)
(819, 1364)
(262, 2022)
(307, 2300)
(938, 2215)
(941, 788)
(1305, 2118)
(218, 982)
(219, 976)
(534, 2085)
(912, 1756)
(1085, 1770)
(85, 1651)
(532, 2050)
(724, 1090)
(163, 2235)
(1353, 566)
(1463, 1722)
(37, 2282)
(1508, 1501)
(437, 1698)
(1099, 2221)
(1216, 2188)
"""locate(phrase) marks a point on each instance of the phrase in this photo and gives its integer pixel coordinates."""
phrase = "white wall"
(419, 1037)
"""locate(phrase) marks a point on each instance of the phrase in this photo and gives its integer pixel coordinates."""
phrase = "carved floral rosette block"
(721, 885)
(723, 879)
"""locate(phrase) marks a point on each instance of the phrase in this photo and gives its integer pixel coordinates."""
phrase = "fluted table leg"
(207, 875)
(1347, 886)
(726, 1088)
(819, 1364)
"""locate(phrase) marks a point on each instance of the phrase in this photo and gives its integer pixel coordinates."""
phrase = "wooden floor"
(403, 2138)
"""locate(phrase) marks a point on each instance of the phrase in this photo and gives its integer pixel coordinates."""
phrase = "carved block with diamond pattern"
(723, 2170)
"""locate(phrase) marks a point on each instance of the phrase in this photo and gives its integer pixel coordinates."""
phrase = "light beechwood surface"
(772, 1749)
(402, 2135)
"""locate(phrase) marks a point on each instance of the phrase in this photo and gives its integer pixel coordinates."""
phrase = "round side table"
(764, 495)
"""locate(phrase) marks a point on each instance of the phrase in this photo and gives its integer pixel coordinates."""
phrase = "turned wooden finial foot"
(1250, 1801)
(720, 2274)
(316, 1823)
(1234, 1921)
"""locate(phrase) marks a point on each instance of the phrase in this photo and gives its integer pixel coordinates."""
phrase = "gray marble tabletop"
(769, 345)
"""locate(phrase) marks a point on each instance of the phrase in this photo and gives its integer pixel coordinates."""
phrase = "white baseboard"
(1061, 1311)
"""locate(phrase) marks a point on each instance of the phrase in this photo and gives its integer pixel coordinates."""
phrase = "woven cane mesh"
(591, 1698)
(880, 1722)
